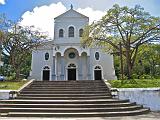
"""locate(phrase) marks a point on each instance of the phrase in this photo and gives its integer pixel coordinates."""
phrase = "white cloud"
(2, 2)
(93, 15)
(43, 17)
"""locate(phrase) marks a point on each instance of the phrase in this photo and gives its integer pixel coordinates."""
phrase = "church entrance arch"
(97, 73)
(46, 73)
(71, 71)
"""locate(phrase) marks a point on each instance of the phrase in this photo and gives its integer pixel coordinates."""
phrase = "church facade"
(65, 59)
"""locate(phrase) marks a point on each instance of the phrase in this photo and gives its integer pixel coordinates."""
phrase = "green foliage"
(132, 27)
(10, 78)
(147, 64)
(135, 83)
(134, 76)
(18, 44)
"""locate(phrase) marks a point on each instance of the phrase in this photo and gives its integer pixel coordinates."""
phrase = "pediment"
(71, 13)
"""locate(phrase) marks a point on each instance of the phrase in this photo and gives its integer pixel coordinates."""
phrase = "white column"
(54, 72)
(88, 68)
(56, 67)
(80, 68)
(62, 68)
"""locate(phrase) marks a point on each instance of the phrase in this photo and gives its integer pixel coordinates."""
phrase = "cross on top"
(71, 6)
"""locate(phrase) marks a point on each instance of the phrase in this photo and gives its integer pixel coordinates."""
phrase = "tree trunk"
(129, 65)
(17, 73)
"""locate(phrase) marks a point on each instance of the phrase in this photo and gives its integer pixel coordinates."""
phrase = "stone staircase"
(86, 98)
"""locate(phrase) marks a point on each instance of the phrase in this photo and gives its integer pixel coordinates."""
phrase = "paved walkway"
(151, 116)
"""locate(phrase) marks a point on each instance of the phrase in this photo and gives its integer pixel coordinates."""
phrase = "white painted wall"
(148, 97)
(106, 61)
(39, 62)
(64, 21)
(4, 94)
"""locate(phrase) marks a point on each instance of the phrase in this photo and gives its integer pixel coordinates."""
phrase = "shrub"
(12, 77)
(145, 76)
(134, 76)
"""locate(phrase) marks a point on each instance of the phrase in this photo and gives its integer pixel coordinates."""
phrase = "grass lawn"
(137, 83)
(11, 85)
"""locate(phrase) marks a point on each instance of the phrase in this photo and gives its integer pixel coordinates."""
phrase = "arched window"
(71, 32)
(97, 55)
(72, 65)
(97, 68)
(80, 32)
(46, 68)
(61, 33)
(46, 56)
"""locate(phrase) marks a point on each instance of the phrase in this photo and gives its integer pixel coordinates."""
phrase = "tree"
(2, 23)
(1, 39)
(149, 59)
(132, 27)
(18, 44)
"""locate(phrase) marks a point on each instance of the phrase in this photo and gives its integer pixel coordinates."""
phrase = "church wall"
(39, 62)
(65, 24)
(105, 61)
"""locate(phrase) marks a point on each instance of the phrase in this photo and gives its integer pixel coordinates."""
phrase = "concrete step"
(67, 82)
(64, 98)
(71, 110)
(64, 89)
(66, 86)
(67, 105)
(85, 114)
(64, 95)
(99, 101)
(64, 92)
(67, 99)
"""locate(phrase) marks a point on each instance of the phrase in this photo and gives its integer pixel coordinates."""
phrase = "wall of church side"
(39, 62)
(105, 61)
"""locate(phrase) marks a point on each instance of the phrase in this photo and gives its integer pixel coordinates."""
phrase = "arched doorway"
(71, 72)
(97, 73)
(46, 73)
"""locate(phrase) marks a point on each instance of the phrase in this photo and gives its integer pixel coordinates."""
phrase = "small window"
(61, 33)
(46, 56)
(71, 32)
(97, 55)
(80, 32)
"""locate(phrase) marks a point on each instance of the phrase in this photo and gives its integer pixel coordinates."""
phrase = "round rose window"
(72, 55)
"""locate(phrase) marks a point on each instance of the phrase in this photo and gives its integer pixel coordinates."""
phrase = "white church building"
(64, 58)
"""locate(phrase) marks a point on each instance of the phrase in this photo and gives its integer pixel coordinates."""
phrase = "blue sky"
(41, 13)
(15, 8)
